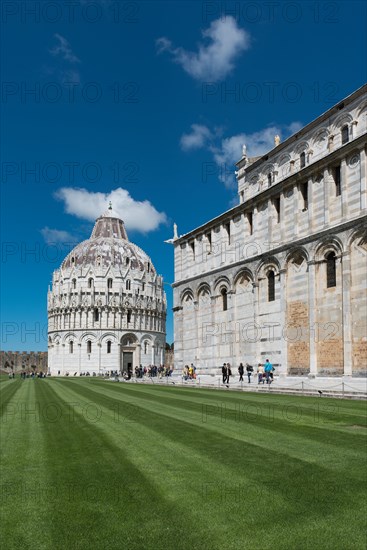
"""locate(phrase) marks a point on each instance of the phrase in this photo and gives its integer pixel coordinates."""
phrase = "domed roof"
(108, 244)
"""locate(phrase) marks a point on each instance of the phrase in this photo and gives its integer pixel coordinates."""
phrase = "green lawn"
(92, 464)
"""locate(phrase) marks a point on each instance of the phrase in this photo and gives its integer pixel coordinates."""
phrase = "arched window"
(128, 284)
(143, 287)
(145, 347)
(330, 270)
(96, 314)
(127, 261)
(71, 347)
(89, 346)
(302, 159)
(129, 316)
(109, 346)
(109, 283)
(270, 179)
(90, 282)
(271, 286)
(345, 134)
(224, 299)
(148, 267)
(73, 283)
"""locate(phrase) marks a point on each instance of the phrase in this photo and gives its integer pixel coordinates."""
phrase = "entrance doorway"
(127, 362)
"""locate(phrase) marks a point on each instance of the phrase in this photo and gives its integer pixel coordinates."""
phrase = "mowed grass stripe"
(22, 512)
(318, 480)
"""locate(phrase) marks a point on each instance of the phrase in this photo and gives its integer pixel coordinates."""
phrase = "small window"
(302, 159)
(304, 193)
(330, 270)
(74, 283)
(250, 222)
(345, 134)
(277, 208)
(71, 347)
(127, 261)
(224, 299)
(270, 179)
(89, 346)
(96, 314)
(129, 316)
(227, 227)
(109, 346)
(192, 245)
(337, 180)
(271, 286)
(148, 267)
(109, 283)
(209, 237)
(128, 284)
(72, 260)
(90, 283)
(145, 348)
(143, 287)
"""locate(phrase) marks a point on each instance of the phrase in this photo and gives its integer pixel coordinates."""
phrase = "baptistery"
(106, 306)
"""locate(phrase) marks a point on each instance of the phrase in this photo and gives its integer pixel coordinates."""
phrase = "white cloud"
(138, 215)
(63, 48)
(197, 138)
(214, 60)
(53, 236)
(227, 151)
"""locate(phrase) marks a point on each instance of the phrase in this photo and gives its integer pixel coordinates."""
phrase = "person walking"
(241, 370)
(249, 370)
(228, 372)
(268, 370)
(260, 373)
(224, 373)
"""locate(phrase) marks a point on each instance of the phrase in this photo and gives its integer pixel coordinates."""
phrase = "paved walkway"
(329, 387)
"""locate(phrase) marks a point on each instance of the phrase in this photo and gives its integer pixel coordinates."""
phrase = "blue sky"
(147, 104)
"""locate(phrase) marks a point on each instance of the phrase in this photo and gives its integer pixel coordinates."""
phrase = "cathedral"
(283, 275)
(107, 306)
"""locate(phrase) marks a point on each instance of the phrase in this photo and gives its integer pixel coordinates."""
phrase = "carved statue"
(244, 151)
(276, 140)
(175, 235)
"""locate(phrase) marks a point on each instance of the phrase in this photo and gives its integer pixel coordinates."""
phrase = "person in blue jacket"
(268, 367)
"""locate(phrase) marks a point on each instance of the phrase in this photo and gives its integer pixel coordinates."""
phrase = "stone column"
(283, 370)
(62, 357)
(295, 209)
(310, 205)
(346, 316)
(312, 318)
(80, 357)
(256, 287)
(363, 178)
(326, 196)
(344, 190)
(99, 356)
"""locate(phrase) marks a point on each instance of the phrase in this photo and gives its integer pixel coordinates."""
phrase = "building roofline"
(294, 137)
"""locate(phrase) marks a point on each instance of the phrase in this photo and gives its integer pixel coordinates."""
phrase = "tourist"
(228, 372)
(240, 372)
(250, 370)
(224, 373)
(268, 371)
(260, 373)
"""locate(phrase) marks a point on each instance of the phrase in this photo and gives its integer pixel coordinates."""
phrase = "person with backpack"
(250, 370)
